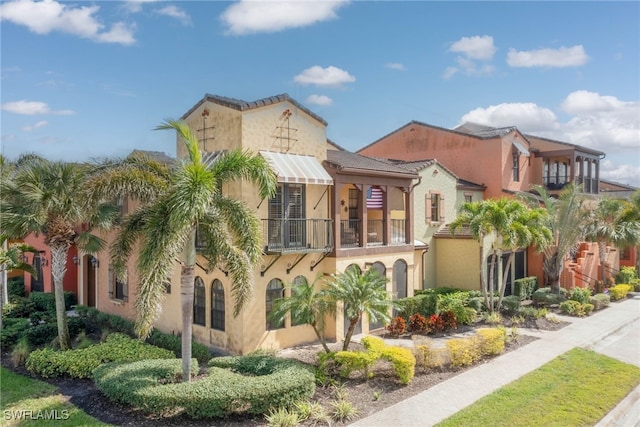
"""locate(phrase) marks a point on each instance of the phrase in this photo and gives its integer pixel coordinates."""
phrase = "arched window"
(275, 291)
(217, 305)
(382, 271)
(199, 302)
(399, 279)
(299, 280)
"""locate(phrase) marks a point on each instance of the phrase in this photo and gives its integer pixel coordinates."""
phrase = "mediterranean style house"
(333, 210)
(386, 207)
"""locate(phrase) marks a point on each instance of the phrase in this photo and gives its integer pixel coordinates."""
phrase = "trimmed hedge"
(525, 287)
(98, 320)
(425, 304)
(576, 308)
(544, 296)
(402, 359)
(46, 301)
(81, 363)
(251, 384)
(511, 303)
(44, 333)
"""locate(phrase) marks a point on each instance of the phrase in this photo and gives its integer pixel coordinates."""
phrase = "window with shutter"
(441, 208)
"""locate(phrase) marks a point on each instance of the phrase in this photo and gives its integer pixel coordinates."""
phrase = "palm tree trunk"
(483, 279)
(58, 269)
(352, 327)
(602, 249)
(320, 337)
(492, 272)
(187, 277)
(503, 286)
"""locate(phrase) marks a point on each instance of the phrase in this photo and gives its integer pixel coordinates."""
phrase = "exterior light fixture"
(94, 262)
(76, 261)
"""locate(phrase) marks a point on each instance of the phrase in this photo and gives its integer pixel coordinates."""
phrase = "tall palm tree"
(166, 228)
(566, 220)
(308, 305)
(527, 229)
(361, 293)
(632, 213)
(608, 224)
(49, 198)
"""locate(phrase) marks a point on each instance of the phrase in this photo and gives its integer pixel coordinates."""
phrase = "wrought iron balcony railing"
(297, 235)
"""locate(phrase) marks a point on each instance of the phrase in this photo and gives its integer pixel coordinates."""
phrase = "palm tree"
(632, 213)
(527, 229)
(608, 224)
(566, 220)
(361, 293)
(50, 198)
(166, 229)
(307, 305)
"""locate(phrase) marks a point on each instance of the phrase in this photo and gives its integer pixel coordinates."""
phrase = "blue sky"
(92, 79)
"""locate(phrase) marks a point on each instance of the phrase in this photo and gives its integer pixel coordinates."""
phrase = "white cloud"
(528, 117)
(253, 16)
(38, 125)
(48, 15)
(32, 108)
(622, 173)
(135, 6)
(330, 76)
(476, 53)
(395, 66)
(319, 100)
(476, 47)
(175, 12)
(574, 56)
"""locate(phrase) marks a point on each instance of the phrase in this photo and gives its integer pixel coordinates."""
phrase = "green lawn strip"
(28, 402)
(577, 388)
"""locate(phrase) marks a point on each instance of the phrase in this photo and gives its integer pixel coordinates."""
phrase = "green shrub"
(626, 274)
(511, 303)
(477, 303)
(600, 301)
(252, 384)
(19, 307)
(15, 288)
(174, 343)
(576, 308)
(343, 410)
(425, 303)
(636, 284)
(12, 329)
(282, 417)
(619, 291)
(544, 296)
(81, 363)
(44, 333)
(581, 295)
(523, 288)
(20, 353)
(350, 361)
(46, 301)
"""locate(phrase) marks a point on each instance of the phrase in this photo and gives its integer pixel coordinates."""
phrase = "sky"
(92, 79)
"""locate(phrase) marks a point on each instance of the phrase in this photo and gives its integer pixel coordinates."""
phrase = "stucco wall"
(458, 263)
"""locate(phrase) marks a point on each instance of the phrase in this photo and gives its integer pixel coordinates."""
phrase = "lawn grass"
(37, 404)
(577, 388)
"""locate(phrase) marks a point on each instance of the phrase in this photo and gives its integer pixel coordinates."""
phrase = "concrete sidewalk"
(593, 332)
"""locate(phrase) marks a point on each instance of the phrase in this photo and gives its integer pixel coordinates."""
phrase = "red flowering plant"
(397, 326)
(418, 323)
(449, 320)
(435, 323)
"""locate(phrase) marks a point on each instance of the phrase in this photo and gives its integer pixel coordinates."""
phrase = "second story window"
(434, 207)
(516, 166)
(199, 302)
(286, 216)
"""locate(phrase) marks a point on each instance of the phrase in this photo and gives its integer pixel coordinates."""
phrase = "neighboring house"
(353, 212)
(438, 196)
(505, 162)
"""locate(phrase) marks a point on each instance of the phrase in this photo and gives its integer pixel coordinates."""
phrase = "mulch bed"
(368, 396)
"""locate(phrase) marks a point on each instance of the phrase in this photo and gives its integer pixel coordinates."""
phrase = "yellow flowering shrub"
(463, 351)
(491, 341)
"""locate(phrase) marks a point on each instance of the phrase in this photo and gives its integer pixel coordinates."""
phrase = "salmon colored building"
(41, 262)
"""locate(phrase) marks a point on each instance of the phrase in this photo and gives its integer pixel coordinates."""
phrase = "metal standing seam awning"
(297, 168)
(521, 147)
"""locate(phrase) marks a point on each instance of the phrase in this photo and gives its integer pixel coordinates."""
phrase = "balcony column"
(337, 212)
(408, 209)
(386, 214)
(596, 190)
(363, 227)
(572, 172)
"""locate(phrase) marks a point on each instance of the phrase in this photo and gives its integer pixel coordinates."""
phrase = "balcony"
(350, 233)
(297, 235)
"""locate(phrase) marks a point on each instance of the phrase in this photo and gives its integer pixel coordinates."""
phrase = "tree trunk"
(352, 327)
(186, 300)
(602, 249)
(492, 272)
(483, 279)
(187, 277)
(320, 337)
(503, 286)
(58, 269)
